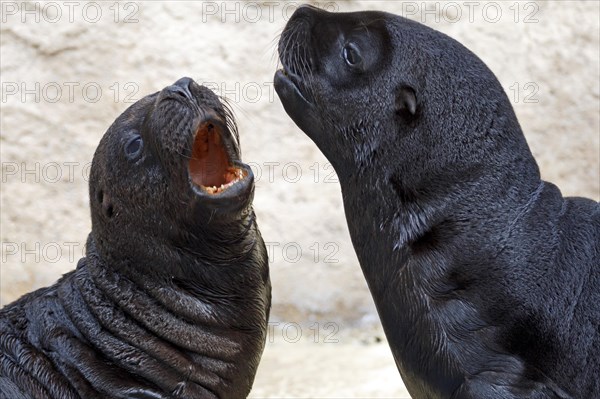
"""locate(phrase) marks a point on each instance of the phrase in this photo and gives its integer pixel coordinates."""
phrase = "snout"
(182, 87)
(186, 90)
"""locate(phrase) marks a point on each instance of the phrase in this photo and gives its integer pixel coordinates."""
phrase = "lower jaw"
(233, 176)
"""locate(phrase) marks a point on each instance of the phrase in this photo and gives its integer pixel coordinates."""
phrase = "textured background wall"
(67, 71)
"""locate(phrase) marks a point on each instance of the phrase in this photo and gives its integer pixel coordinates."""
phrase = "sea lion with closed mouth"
(173, 296)
(486, 279)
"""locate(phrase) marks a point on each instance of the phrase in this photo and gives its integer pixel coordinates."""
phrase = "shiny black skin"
(173, 296)
(486, 279)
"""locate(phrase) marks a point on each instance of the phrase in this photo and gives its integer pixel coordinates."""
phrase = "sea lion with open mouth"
(486, 280)
(173, 296)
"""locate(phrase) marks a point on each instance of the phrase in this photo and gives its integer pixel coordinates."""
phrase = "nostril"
(182, 87)
(180, 91)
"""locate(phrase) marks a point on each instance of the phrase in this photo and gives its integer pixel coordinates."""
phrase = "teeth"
(234, 176)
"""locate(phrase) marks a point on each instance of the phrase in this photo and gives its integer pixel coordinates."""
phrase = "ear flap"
(406, 101)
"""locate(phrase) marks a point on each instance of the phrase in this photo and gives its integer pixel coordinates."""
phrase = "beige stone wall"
(548, 53)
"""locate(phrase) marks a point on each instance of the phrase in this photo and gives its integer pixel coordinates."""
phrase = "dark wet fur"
(172, 298)
(486, 279)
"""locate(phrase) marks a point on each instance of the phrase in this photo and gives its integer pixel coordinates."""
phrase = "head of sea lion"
(446, 208)
(369, 87)
(173, 296)
(167, 181)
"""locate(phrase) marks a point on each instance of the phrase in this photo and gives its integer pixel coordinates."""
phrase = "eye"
(352, 55)
(133, 148)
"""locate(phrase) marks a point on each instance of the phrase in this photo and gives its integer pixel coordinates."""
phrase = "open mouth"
(210, 166)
